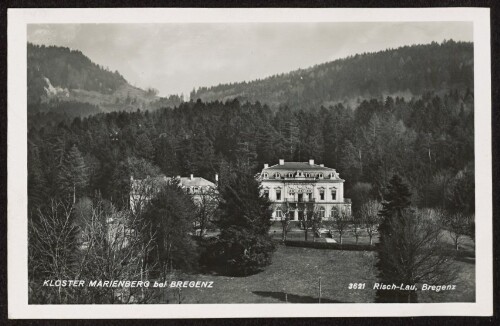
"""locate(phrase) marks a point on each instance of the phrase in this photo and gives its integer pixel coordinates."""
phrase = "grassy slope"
(296, 271)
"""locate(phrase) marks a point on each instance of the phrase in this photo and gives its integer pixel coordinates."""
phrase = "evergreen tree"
(244, 244)
(396, 200)
(170, 217)
(73, 176)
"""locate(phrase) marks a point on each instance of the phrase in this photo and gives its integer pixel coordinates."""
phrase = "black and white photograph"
(274, 163)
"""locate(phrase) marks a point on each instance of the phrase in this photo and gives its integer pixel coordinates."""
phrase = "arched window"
(290, 175)
(265, 175)
(320, 175)
(322, 212)
(278, 213)
(277, 175)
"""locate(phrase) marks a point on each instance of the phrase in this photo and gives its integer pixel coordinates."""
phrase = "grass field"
(294, 277)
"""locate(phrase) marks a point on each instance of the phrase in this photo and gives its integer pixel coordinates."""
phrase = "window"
(277, 175)
(265, 175)
(333, 212)
(322, 212)
(278, 194)
(334, 194)
(278, 213)
(322, 195)
(290, 175)
(266, 193)
(320, 175)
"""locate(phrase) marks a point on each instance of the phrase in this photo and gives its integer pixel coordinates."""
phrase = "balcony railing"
(300, 200)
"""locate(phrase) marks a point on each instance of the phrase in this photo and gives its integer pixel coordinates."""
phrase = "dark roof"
(184, 181)
(294, 166)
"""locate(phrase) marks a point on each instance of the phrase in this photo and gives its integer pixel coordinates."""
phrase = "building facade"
(296, 188)
(200, 189)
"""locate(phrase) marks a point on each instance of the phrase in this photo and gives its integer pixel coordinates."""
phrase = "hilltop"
(405, 72)
(60, 78)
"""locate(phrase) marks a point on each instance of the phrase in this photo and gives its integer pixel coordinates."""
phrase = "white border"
(17, 162)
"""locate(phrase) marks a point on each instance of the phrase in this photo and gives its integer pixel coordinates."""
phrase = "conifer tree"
(73, 176)
(244, 242)
(410, 250)
(397, 198)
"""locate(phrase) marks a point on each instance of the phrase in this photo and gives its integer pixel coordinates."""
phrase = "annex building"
(142, 190)
(298, 187)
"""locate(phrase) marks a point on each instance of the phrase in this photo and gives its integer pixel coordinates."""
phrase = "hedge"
(333, 246)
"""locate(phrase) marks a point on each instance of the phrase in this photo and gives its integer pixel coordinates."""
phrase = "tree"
(312, 220)
(206, 208)
(87, 241)
(357, 227)
(341, 222)
(73, 177)
(368, 213)
(457, 224)
(409, 248)
(244, 245)
(170, 219)
(396, 199)
(285, 219)
(52, 250)
(114, 245)
(413, 253)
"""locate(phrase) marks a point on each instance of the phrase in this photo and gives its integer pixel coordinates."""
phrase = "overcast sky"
(175, 58)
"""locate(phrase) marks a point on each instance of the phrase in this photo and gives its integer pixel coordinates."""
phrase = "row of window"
(308, 196)
(322, 212)
(278, 175)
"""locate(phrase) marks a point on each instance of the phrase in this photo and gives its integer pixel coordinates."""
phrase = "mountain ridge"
(391, 72)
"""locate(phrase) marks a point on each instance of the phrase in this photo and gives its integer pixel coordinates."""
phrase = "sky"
(175, 58)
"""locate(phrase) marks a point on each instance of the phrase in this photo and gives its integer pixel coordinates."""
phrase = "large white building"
(296, 187)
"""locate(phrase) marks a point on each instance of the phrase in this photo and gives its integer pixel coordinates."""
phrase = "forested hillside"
(58, 76)
(407, 71)
(67, 69)
(429, 141)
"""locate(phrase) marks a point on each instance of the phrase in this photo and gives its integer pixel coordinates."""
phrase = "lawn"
(294, 277)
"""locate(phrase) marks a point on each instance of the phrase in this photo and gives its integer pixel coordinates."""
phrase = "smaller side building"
(297, 187)
(142, 190)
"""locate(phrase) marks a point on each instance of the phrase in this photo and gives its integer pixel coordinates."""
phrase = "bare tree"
(356, 227)
(413, 252)
(368, 213)
(457, 224)
(471, 227)
(97, 243)
(285, 219)
(52, 251)
(341, 222)
(114, 245)
(311, 219)
(207, 202)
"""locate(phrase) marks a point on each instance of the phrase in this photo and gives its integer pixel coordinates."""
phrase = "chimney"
(322, 165)
(311, 162)
(191, 177)
(282, 161)
(216, 178)
(266, 166)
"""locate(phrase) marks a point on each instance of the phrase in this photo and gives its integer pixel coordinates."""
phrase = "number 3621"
(357, 286)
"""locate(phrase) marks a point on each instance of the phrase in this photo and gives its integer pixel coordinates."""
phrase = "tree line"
(429, 141)
(79, 179)
(447, 65)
